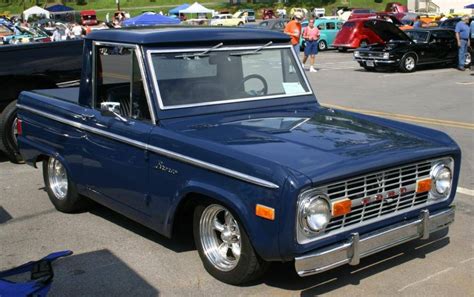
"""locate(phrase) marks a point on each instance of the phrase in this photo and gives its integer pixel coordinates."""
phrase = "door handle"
(84, 117)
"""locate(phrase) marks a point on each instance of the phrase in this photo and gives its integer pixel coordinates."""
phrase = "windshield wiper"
(254, 52)
(196, 55)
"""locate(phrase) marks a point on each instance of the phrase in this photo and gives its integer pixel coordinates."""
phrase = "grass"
(135, 7)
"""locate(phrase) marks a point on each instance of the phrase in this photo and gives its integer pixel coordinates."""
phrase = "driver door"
(115, 158)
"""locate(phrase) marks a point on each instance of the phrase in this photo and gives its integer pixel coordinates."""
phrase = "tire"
(240, 24)
(64, 198)
(408, 63)
(8, 142)
(322, 45)
(228, 268)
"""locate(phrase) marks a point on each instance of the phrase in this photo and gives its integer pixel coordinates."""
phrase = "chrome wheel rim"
(57, 178)
(322, 45)
(410, 63)
(220, 237)
(15, 131)
(468, 59)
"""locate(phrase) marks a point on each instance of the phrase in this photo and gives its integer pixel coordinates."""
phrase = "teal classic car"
(328, 29)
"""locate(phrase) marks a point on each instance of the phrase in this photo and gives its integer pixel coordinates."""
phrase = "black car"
(406, 50)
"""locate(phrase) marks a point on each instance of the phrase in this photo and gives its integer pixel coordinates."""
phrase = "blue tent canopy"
(59, 8)
(470, 6)
(150, 19)
(177, 9)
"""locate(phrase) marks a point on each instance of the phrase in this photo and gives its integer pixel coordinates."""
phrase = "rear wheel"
(322, 45)
(61, 191)
(468, 60)
(224, 246)
(9, 132)
(408, 63)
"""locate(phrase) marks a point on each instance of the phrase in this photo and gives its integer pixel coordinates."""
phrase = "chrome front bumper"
(376, 61)
(357, 247)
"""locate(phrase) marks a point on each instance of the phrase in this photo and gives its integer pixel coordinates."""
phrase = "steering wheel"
(263, 91)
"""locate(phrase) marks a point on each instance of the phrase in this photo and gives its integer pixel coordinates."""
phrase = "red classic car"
(355, 34)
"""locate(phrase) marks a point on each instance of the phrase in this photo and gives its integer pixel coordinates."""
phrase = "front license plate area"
(369, 63)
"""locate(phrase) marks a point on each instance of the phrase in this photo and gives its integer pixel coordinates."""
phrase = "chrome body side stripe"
(157, 150)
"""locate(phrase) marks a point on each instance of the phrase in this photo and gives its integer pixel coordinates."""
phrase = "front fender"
(262, 233)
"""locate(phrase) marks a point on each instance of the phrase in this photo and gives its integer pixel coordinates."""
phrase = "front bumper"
(377, 62)
(357, 247)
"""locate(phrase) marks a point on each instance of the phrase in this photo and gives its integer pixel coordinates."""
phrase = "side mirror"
(112, 109)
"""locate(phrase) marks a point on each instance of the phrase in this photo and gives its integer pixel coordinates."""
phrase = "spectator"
(293, 28)
(77, 31)
(462, 37)
(418, 23)
(442, 17)
(311, 36)
(56, 35)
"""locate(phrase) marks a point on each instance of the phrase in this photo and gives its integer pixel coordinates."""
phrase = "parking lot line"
(410, 118)
(426, 278)
(465, 191)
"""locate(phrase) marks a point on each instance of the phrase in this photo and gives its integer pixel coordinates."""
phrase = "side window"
(339, 26)
(322, 26)
(331, 26)
(118, 82)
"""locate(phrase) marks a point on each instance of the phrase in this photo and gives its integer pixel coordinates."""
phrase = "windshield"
(215, 76)
(418, 36)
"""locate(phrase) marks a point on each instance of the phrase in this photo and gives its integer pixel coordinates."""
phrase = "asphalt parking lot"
(114, 256)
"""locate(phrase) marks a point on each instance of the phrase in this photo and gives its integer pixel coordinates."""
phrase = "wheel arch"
(198, 193)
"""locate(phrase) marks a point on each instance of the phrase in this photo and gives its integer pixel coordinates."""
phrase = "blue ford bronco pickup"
(218, 129)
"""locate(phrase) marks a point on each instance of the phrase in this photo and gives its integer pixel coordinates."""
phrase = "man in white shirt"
(77, 31)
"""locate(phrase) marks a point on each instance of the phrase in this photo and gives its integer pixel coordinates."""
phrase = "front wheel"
(61, 191)
(8, 133)
(224, 246)
(408, 63)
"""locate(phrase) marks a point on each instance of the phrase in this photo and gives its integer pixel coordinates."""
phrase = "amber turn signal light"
(423, 185)
(341, 207)
(265, 212)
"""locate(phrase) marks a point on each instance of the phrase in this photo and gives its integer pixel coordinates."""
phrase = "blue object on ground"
(41, 277)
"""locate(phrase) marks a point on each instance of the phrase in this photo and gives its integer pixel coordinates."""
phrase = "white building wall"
(445, 6)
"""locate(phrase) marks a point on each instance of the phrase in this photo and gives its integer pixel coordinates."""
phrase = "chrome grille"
(361, 188)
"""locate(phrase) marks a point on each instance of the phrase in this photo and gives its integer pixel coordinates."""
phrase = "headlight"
(314, 213)
(386, 55)
(357, 54)
(442, 177)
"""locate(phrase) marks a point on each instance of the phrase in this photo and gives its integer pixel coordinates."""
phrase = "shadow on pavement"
(179, 244)
(98, 273)
(284, 275)
(3, 158)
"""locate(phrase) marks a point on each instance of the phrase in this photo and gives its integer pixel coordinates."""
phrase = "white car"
(227, 20)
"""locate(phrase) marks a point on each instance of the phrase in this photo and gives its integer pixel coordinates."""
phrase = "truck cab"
(217, 132)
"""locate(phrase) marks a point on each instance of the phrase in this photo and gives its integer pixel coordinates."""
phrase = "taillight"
(19, 127)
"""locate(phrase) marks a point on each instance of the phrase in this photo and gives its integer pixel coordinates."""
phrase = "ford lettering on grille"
(378, 194)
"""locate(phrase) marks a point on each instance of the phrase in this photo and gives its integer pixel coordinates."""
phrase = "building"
(444, 6)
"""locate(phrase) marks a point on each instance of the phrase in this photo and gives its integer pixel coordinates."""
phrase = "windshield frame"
(150, 52)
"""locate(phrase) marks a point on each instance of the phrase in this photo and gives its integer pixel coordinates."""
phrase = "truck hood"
(313, 141)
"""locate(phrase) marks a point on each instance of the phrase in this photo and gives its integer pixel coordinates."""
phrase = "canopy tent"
(35, 10)
(177, 9)
(150, 19)
(470, 6)
(196, 8)
(57, 8)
